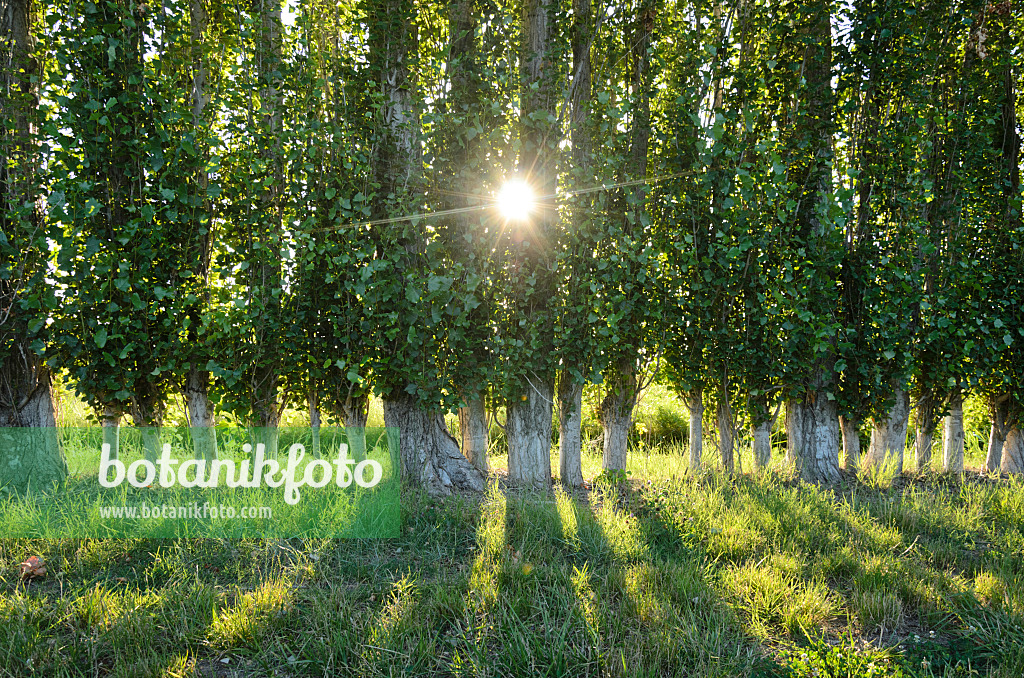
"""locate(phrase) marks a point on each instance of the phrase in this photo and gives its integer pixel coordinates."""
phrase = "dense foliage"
(809, 202)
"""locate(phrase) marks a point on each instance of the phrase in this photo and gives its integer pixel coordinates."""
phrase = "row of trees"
(805, 202)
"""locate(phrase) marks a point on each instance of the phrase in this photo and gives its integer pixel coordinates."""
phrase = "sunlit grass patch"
(773, 599)
(252, 616)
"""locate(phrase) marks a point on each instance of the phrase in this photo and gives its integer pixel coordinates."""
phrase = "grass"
(664, 574)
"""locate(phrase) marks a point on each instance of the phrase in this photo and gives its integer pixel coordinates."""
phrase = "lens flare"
(515, 200)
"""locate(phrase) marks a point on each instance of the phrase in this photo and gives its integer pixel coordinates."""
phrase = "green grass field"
(666, 575)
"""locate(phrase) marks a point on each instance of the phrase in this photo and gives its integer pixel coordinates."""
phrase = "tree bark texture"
(889, 435)
(475, 430)
(570, 431)
(430, 456)
(812, 426)
(851, 443)
(528, 430)
(953, 435)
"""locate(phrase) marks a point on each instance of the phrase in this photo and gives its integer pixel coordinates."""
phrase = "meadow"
(663, 573)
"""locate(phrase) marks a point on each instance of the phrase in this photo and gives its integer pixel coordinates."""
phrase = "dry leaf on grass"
(33, 567)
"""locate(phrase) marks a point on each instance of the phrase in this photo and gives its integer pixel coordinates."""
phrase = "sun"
(515, 200)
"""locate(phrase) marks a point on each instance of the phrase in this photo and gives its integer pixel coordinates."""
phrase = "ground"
(662, 574)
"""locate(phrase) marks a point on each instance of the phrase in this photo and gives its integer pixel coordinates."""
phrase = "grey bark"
(32, 457)
(430, 456)
(762, 435)
(925, 422)
(528, 430)
(889, 435)
(313, 405)
(812, 425)
(197, 381)
(999, 410)
(761, 422)
(695, 404)
(1013, 452)
(725, 432)
(953, 435)
(200, 415)
(851, 443)
(266, 278)
(616, 415)
(110, 420)
(994, 451)
(474, 427)
(570, 436)
(353, 412)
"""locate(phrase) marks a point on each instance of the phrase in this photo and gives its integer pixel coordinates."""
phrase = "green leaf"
(101, 337)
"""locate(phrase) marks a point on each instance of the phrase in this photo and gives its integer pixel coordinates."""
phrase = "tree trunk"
(528, 429)
(570, 435)
(200, 415)
(111, 423)
(313, 404)
(851, 443)
(889, 435)
(761, 421)
(474, 428)
(267, 273)
(953, 435)
(31, 453)
(996, 444)
(430, 456)
(197, 381)
(33, 456)
(925, 423)
(725, 432)
(762, 434)
(695, 403)
(353, 413)
(617, 416)
(1013, 452)
(999, 409)
(812, 426)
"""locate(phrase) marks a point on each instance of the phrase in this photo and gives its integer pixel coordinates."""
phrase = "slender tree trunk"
(111, 423)
(147, 410)
(813, 420)
(761, 431)
(474, 427)
(313, 404)
(953, 435)
(570, 435)
(353, 412)
(925, 423)
(994, 456)
(570, 392)
(812, 425)
(889, 435)
(695, 404)
(197, 381)
(617, 415)
(1013, 451)
(200, 415)
(725, 430)
(999, 411)
(26, 395)
(267, 275)
(528, 426)
(528, 430)
(851, 443)
(762, 435)
(430, 456)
